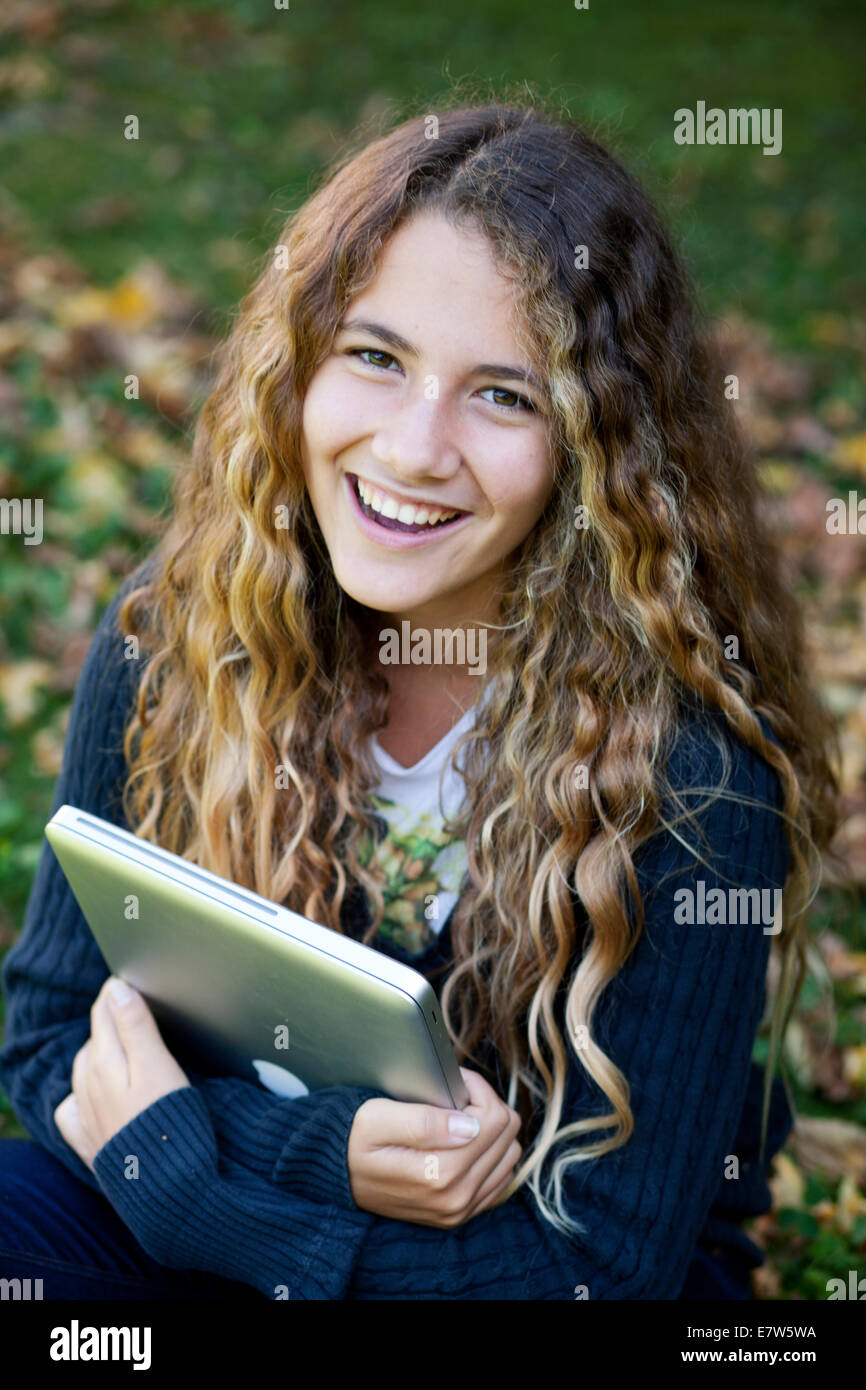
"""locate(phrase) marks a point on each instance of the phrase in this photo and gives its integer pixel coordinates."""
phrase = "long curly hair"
(247, 748)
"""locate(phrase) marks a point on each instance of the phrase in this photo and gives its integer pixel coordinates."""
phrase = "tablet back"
(243, 986)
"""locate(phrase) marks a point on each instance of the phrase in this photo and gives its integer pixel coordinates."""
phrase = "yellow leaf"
(850, 1203)
(99, 485)
(13, 336)
(777, 475)
(850, 454)
(48, 749)
(144, 446)
(832, 1147)
(824, 1211)
(127, 301)
(83, 308)
(787, 1183)
(828, 328)
(19, 684)
(854, 1064)
(843, 963)
(798, 1053)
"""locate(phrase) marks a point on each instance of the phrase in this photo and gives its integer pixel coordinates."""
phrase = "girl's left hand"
(122, 1069)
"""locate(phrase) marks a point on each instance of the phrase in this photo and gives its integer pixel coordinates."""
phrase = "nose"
(416, 444)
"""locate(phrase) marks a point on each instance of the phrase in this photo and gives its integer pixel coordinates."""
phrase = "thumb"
(447, 1129)
(420, 1126)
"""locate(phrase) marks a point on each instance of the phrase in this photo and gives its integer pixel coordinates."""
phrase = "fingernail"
(463, 1126)
(120, 992)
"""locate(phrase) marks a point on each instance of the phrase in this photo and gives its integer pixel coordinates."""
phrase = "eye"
(373, 352)
(521, 402)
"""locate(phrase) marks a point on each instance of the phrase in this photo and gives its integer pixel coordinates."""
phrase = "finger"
(84, 1086)
(405, 1124)
(101, 1012)
(68, 1121)
(456, 1168)
(135, 1025)
(481, 1174)
(480, 1091)
(485, 1100)
(499, 1179)
(65, 1115)
(108, 1056)
(485, 1181)
(78, 1076)
(425, 1127)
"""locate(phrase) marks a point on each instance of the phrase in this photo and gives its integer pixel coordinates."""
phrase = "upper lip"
(400, 497)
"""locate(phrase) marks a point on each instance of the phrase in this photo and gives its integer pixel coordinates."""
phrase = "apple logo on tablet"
(279, 1079)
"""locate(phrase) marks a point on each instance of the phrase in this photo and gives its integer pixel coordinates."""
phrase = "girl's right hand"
(405, 1163)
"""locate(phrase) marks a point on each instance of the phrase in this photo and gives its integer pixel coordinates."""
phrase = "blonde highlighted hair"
(258, 660)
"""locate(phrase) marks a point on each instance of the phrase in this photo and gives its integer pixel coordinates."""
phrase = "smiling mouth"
(389, 523)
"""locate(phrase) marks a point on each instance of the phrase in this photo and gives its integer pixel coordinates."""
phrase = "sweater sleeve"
(55, 970)
(679, 1019)
(190, 1207)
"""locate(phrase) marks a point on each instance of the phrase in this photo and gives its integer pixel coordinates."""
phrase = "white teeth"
(401, 511)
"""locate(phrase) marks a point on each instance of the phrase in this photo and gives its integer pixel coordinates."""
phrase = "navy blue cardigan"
(236, 1181)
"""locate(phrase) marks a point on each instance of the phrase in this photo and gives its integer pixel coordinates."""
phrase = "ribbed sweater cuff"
(186, 1215)
(313, 1161)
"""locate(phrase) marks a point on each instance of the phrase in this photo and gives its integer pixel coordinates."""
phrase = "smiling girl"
(466, 394)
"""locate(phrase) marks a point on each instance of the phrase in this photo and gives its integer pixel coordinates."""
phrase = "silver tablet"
(248, 988)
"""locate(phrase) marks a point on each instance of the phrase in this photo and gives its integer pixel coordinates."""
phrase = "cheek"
(314, 419)
(521, 484)
(539, 477)
(334, 413)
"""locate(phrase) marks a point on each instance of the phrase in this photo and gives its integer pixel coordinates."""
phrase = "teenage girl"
(466, 401)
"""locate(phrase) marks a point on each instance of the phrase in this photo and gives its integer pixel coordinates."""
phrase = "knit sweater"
(239, 1182)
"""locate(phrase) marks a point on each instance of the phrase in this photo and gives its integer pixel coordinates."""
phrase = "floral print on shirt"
(419, 861)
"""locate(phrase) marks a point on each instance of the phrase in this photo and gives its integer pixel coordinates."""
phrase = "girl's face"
(423, 408)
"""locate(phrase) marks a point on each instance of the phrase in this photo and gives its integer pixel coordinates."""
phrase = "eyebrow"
(497, 369)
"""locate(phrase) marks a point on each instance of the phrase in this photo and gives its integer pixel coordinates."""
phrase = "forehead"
(435, 278)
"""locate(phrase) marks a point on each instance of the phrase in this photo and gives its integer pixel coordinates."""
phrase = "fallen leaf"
(20, 683)
(850, 1204)
(48, 747)
(850, 454)
(787, 1183)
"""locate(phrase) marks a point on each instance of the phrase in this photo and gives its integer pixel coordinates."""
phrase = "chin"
(385, 599)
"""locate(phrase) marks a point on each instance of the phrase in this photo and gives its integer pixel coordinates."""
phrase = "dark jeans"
(55, 1228)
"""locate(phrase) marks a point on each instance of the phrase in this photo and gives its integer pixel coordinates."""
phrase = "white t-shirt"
(423, 866)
